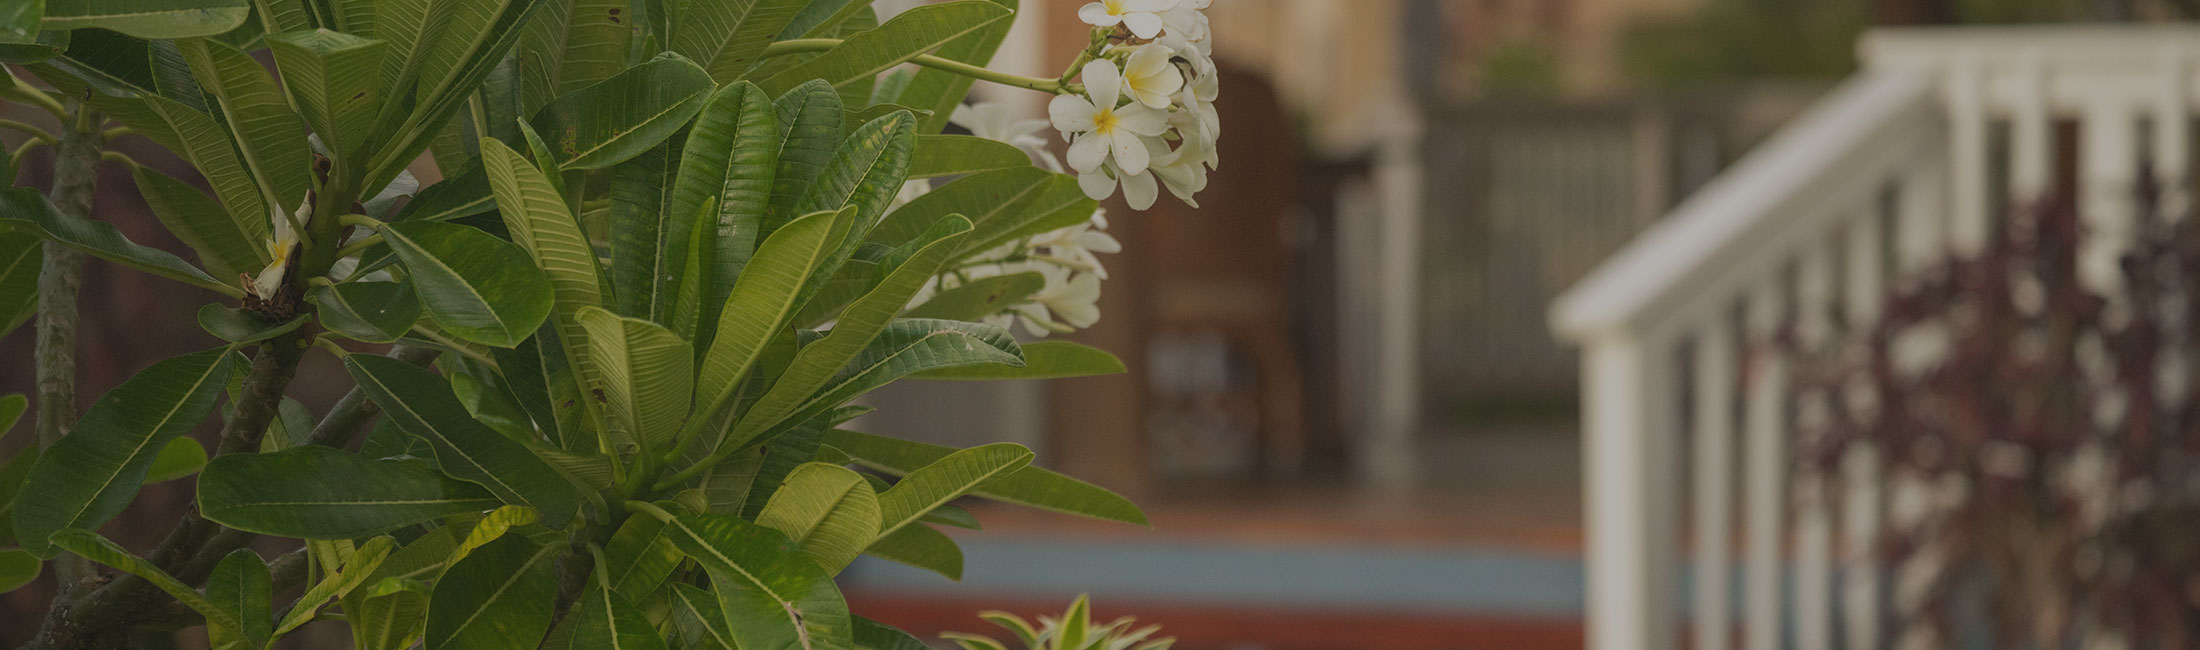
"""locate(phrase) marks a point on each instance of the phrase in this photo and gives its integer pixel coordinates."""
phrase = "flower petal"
(1143, 24)
(1070, 113)
(1154, 6)
(1139, 191)
(1141, 120)
(1087, 152)
(1130, 154)
(1096, 185)
(1096, 14)
(1103, 83)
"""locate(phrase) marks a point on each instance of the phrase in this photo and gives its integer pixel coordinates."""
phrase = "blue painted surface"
(1428, 581)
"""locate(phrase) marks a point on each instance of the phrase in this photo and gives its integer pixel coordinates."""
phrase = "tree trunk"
(75, 179)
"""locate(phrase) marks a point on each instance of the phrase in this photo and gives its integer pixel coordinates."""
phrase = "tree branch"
(75, 178)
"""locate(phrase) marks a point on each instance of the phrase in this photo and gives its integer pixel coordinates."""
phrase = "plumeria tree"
(601, 366)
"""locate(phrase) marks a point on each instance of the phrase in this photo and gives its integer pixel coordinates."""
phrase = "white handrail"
(1724, 227)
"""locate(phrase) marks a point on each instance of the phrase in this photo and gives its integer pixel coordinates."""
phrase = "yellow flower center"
(1115, 7)
(1104, 121)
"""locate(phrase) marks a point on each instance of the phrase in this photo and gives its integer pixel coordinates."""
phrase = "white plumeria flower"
(281, 245)
(993, 122)
(1100, 127)
(1139, 190)
(1074, 298)
(1143, 17)
(1075, 246)
(1184, 171)
(1150, 78)
(1186, 27)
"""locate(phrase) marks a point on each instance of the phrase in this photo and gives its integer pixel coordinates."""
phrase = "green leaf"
(333, 81)
(913, 32)
(732, 157)
(922, 547)
(497, 598)
(314, 492)
(472, 284)
(538, 219)
(25, 208)
(206, 143)
(954, 155)
(261, 124)
(464, 193)
(20, 255)
(645, 260)
(951, 516)
(373, 312)
(12, 476)
(726, 37)
(226, 245)
(873, 635)
(762, 300)
(18, 567)
(11, 412)
(1042, 360)
(148, 18)
(621, 117)
(639, 557)
(604, 620)
(1002, 205)
(864, 173)
(239, 326)
(829, 511)
(1031, 486)
(356, 566)
(445, 51)
(946, 479)
(818, 363)
(1075, 623)
(389, 621)
(913, 345)
(180, 458)
(241, 587)
(810, 129)
(940, 91)
(648, 376)
(980, 298)
(423, 405)
(771, 594)
(88, 476)
(699, 619)
(92, 547)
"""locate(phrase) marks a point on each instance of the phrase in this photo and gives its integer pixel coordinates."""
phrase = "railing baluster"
(2032, 136)
(1766, 467)
(2108, 171)
(1814, 300)
(2173, 132)
(1966, 154)
(1865, 289)
(1633, 488)
(1714, 466)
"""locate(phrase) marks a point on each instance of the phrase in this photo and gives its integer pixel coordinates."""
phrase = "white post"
(2032, 137)
(1766, 467)
(1714, 468)
(2108, 173)
(2173, 133)
(1966, 155)
(1814, 300)
(1866, 291)
(1388, 463)
(1631, 492)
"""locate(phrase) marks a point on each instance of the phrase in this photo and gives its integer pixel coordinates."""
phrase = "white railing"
(1894, 171)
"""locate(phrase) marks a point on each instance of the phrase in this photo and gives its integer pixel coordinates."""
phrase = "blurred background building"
(1345, 412)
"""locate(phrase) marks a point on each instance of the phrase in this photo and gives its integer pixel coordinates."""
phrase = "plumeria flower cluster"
(1067, 259)
(1147, 111)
